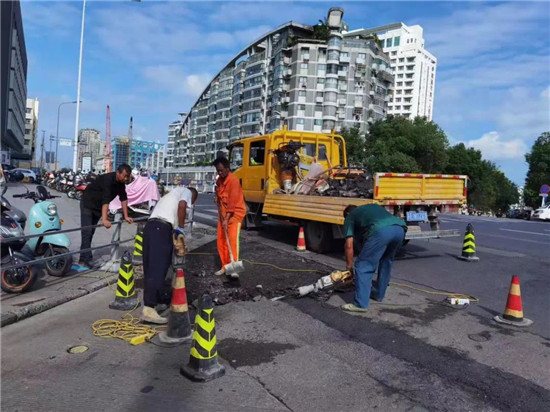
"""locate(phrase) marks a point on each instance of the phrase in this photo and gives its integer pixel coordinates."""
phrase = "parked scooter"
(43, 218)
(14, 212)
(18, 279)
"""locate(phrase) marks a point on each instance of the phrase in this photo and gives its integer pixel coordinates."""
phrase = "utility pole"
(130, 136)
(42, 151)
(52, 137)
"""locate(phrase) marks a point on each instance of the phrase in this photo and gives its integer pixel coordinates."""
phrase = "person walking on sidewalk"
(231, 211)
(166, 223)
(95, 205)
(381, 234)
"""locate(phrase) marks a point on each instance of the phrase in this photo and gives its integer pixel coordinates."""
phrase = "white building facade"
(31, 128)
(89, 145)
(413, 66)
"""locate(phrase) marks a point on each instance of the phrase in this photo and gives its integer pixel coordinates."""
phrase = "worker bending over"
(231, 211)
(381, 234)
(166, 222)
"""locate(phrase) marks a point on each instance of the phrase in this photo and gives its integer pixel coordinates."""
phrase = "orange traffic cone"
(301, 246)
(179, 327)
(513, 314)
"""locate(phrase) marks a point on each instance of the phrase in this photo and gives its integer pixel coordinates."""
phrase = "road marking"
(524, 231)
(515, 238)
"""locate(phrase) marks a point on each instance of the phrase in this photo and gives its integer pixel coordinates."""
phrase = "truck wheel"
(318, 236)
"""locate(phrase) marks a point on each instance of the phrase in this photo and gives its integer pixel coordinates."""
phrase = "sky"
(152, 59)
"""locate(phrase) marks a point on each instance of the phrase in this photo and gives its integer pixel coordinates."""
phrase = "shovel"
(234, 268)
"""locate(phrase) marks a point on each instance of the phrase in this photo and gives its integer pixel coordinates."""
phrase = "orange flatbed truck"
(415, 197)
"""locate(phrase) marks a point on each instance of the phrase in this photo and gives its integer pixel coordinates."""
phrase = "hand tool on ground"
(235, 267)
(336, 277)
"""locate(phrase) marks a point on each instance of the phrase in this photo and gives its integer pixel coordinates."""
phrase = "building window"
(304, 52)
(300, 121)
(28, 110)
(321, 68)
(388, 42)
(318, 108)
(303, 68)
(302, 93)
(396, 41)
(318, 122)
(361, 56)
(394, 53)
(257, 153)
(302, 81)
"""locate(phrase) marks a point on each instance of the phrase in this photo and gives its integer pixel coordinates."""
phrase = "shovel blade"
(234, 268)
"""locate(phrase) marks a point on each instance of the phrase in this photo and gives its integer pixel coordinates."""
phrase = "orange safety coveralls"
(230, 198)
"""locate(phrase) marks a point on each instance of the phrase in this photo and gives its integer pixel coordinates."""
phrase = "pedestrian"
(165, 224)
(231, 211)
(95, 205)
(381, 235)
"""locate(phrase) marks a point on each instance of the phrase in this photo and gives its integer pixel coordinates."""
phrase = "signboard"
(86, 163)
(65, 142)
(544, 189)
(6, 159)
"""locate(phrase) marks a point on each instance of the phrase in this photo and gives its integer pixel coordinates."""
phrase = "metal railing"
(114, 244)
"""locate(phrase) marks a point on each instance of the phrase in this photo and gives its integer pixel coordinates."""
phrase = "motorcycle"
(14, 212)
(43, 218)
(19, 279)
(77, 190)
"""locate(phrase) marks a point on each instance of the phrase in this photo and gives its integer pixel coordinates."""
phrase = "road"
(412, 351)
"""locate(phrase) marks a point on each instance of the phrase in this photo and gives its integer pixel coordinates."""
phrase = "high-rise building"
(120, 150)
(31, 128)
(413, 66)
(13, 75)
(89, 145)
(314, 78)
(173, 129)
(155, 161)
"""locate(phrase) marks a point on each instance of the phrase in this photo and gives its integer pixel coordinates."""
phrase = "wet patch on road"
(480, 337)
(434, 311)
(247, 353)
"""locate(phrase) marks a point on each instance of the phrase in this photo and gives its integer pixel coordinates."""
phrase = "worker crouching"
(231, 212)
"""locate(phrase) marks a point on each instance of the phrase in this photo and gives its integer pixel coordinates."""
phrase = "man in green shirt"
(381, 234)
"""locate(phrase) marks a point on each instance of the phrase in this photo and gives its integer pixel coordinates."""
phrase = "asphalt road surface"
(412, 351)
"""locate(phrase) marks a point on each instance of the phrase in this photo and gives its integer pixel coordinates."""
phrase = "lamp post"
(75, 152)
(57, 133)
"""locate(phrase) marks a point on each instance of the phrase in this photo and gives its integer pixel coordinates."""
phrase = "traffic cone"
(179, 327)
(203, 363)
(301, 246)
(469, 245)
(138, 247)
(126, 297)
(513, 314)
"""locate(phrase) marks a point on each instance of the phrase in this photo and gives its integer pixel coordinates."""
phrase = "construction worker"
(231, 211)
(165, 224)
(381, 234)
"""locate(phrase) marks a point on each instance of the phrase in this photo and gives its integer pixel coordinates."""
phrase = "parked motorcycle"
(20, 279)
(14, 212)
(43, 218)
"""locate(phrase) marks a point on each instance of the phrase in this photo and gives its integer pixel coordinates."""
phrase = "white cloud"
(57, 18)
(174, 79)
(494, 148)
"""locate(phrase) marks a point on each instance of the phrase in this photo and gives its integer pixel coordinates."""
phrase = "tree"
(321, 31)
(396, 144)
(355, 146)
(539, 169)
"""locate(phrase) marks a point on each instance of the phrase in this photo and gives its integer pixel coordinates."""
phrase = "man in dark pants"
(166, 223)
(382, 235)
(95, 205)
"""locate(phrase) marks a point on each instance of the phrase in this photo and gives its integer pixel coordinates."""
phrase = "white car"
(542, 213)
(26, 173)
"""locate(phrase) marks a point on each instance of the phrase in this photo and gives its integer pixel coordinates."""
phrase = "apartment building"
(89, 145)
(173, 128)
(413, 66)
(312, 78)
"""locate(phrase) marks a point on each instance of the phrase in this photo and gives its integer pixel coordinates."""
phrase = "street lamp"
(57, 134)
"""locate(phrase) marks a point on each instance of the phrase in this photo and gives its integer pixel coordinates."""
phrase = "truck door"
(236, 153)
(255, 177)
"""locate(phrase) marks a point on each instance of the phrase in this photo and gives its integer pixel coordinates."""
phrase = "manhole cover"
(479, 337)
(78, 349)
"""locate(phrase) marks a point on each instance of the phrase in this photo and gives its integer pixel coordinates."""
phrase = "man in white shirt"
(166, 222)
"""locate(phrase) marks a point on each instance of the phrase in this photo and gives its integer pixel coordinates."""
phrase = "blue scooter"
(43, 218)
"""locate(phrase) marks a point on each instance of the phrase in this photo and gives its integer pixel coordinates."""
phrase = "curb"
(42, 306)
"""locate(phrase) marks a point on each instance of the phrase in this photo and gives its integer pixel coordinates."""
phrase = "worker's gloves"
(179, 241)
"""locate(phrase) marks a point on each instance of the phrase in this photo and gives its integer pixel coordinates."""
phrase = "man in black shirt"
(95, 205)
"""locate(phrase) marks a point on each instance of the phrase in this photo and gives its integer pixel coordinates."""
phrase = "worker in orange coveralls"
(231, 211)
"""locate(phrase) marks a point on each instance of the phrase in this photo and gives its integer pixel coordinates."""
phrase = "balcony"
(342, 102)
(358, 104)
(360, 61)
(305, 56)
(342, 73)
(344, 59)
(319, 99)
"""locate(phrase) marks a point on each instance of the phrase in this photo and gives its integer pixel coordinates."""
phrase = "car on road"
(542, 213)
(27, 173)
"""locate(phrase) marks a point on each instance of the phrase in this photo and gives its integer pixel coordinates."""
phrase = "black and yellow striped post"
(203, 363)
(125, 297)
(469, 245)
(138, 247)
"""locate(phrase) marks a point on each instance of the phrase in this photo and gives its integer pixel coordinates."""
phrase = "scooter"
(43, 218)
(19, 279)
(14, 212)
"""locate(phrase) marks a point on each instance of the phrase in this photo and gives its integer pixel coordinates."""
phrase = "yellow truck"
(303, 178)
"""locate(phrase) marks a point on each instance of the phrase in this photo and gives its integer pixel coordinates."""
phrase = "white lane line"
(205, 216)
(547, 230)
(516, 239)
(524, 231)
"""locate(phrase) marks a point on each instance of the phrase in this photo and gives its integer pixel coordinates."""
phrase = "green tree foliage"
(539, 169)
(355, 146)
(396, 144)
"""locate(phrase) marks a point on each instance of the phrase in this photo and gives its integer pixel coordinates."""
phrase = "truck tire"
(318, 236)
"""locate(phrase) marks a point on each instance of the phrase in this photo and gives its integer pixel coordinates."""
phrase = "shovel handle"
(229, 246)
